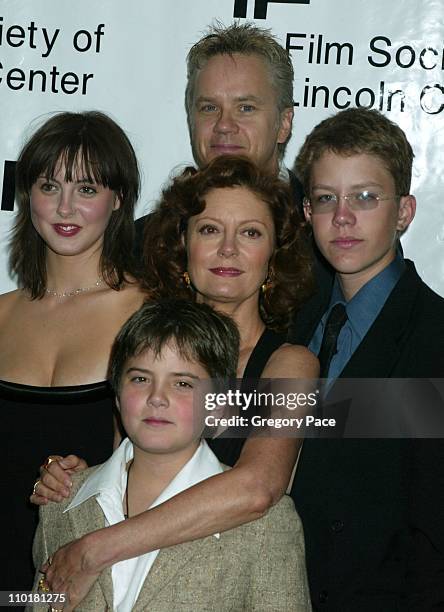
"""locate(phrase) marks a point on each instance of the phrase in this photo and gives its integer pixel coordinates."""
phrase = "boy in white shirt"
(160, 357)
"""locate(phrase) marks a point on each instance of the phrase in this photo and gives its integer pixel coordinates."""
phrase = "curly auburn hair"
(165, 256)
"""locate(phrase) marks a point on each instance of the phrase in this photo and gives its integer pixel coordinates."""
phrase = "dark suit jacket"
(373, 510)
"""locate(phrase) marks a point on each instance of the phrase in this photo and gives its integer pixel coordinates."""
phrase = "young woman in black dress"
(77, 185)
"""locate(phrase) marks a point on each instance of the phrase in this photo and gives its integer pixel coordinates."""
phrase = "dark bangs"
(195, 331)
(90, 146)
(87, 143)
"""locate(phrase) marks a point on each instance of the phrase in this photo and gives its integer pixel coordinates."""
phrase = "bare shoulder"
(129, 298)
(292, 361)
(134, 292)
(8, 302)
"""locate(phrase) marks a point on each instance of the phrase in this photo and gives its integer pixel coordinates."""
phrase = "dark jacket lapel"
(379, 351)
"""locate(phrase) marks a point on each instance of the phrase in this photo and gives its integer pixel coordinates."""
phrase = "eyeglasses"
(361, 200)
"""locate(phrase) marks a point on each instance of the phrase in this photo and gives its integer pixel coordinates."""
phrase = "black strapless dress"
(228, 450)
(37, 422)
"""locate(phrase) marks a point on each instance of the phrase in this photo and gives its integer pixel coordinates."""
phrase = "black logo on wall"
(260, 7)
(8, 190)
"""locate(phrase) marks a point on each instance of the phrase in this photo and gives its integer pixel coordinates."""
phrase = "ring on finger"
(48, 462)
(34, 488)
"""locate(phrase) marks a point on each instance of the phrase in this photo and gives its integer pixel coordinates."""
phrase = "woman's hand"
(70, 571)
(55, 483)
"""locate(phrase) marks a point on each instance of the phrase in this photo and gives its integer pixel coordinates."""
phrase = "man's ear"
(406, 212)
(285, 121)
(118, 403)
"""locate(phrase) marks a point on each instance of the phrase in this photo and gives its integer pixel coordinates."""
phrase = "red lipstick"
(226, 272)
(66, 229)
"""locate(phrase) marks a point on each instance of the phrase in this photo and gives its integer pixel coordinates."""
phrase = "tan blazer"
(259, 566)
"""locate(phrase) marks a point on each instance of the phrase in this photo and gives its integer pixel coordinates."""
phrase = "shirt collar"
(367, 303)
(111, 475)
(107, 477)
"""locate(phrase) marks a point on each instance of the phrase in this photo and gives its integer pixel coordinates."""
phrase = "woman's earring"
(266, 285)
(187, 279)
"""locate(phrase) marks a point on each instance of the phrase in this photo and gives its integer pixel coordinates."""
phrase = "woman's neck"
(247, 318)
(250, 325)
(64, 273)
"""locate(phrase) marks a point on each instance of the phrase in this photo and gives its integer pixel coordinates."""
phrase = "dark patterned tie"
(333, 326)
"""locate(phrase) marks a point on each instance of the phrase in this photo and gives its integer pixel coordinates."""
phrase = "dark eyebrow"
(216, 220)
(188, 374)
(85, 179)
(146, 371)
(77, 181)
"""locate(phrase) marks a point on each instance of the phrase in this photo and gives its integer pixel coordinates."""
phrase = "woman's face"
(71, 217)
(229, 246)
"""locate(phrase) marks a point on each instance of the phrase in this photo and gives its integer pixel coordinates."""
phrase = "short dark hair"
(245, 39)
(165, 258)
(95, 142)
(355, 131)
(198, 332)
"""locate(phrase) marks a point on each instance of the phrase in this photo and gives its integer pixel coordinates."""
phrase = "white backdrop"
(128, 59)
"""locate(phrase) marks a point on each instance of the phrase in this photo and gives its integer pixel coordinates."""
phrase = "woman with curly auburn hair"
(227, 236)
(288, 279)
(230, 236)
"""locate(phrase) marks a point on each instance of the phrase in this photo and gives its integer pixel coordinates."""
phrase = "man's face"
(235, 112)
(357, 243)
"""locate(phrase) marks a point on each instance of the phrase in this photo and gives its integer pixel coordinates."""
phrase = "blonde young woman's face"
(229, 246)
(71, 217)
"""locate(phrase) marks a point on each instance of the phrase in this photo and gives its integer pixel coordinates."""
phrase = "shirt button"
(337, 526)
(323, 597)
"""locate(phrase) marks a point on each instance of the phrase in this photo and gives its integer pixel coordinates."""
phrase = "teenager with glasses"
(371, 509)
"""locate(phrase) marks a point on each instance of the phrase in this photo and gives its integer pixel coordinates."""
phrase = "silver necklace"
(64, 294)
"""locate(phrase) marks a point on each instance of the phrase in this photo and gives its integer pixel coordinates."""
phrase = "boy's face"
(156, 401)
(357, 243)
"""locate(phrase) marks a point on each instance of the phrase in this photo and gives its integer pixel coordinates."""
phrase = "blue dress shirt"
(362, 311)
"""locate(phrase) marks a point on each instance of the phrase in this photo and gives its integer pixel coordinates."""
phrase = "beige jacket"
(258, 566)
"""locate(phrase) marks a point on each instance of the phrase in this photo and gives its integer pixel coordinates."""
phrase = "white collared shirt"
(108, 485)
